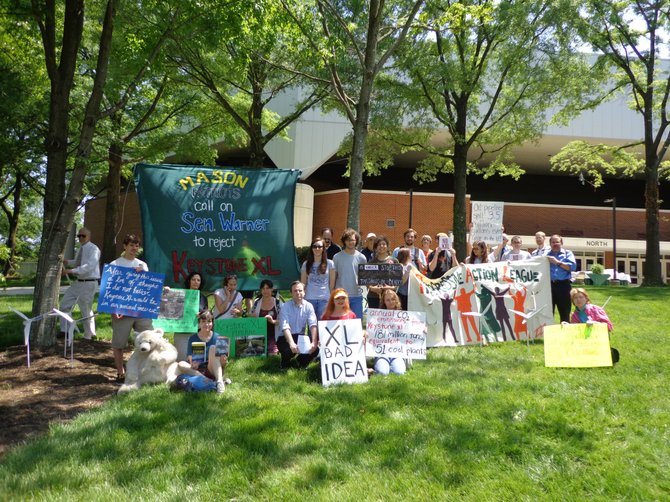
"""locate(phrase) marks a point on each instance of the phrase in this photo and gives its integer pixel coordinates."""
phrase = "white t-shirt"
(134, 263)
(228, 314)
(318, 285)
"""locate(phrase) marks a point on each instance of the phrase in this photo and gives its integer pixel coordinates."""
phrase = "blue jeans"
(319, 307)
(356, 304)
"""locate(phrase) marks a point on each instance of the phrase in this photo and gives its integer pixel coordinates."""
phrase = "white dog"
(154, 360)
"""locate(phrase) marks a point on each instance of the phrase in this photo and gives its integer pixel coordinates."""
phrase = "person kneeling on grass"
(385, 365)
(586, 312)
(213, 365)
(295, 318)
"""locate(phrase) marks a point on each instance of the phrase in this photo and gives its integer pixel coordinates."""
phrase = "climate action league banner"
(218, 221)
(470, 304)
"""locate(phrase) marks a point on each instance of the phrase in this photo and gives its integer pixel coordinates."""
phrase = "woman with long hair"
(318, 274)
(267, 306)
(382, 254)
(479, 254)
(195, 280)
(405, 259)
(338, 306)
(386, 365)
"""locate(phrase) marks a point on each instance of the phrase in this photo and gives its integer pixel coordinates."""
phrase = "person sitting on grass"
(213, 366)
(385, 365)
(338, 308)
(586, 312)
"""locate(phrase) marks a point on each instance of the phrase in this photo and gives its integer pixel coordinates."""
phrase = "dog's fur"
(154, 360)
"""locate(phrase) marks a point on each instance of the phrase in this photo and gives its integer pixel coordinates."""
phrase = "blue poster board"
(127, 292)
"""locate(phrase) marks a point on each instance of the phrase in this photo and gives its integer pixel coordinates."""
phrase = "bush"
(597, 268)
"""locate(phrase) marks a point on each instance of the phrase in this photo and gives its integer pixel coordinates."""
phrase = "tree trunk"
(13, 218)
(112, 205)
(356, 165)
(653, 273)
(59, 206)
(460, 201)
(54, 233)
(256, 140)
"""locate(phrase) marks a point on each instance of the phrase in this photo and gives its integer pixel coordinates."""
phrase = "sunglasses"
(81, 235)
(317, 247)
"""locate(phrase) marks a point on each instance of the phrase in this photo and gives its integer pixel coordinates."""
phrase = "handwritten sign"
(374, 274)
(179, 308)
(342, 352)
(127, 292)
(487, 220)
(248, 335)
(577, 346)
(396, 333)
(218, 221)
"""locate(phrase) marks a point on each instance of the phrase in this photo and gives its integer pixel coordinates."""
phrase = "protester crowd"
(327, 289)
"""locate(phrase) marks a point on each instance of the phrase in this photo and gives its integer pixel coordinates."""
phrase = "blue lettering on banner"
(232, 224)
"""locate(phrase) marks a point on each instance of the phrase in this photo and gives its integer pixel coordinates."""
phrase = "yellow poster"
(577, 346)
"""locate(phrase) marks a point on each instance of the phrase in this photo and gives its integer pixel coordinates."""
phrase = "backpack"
(194, 383)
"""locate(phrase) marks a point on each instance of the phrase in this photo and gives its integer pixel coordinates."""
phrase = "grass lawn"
(469, 423)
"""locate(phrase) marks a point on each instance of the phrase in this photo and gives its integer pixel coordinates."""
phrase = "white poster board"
(342, 352)
(396, 333)
(487, 220)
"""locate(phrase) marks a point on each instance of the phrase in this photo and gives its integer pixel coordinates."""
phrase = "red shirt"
(348, 315)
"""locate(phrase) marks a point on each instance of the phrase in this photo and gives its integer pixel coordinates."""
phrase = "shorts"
(204, 370)
(121, 329)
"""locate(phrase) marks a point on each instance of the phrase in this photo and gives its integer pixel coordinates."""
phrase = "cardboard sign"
(396, 333)
(487, 220)
(577, 346)
(248, 335)
(179, 308)
(127, 292)
(342, 352)
(376, 274)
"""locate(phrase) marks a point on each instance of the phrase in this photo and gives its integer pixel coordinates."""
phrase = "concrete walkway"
(23, 290)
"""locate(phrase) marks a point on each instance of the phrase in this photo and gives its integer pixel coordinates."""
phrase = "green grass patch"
(469, 423)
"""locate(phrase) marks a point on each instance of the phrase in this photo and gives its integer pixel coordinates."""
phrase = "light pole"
(613, 201)
(411, 192)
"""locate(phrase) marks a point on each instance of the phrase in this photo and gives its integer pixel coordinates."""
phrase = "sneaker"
(220, 387)
(227, 381)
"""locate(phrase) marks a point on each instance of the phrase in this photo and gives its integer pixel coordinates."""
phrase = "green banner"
(248, 335)
(218, 221)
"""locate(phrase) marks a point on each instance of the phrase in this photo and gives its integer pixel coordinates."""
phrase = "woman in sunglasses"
(318, 274)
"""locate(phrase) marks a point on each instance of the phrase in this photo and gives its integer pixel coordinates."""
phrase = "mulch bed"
(52, 390)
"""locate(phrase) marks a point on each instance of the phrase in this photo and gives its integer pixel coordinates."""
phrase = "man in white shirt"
(295, 318)
(542, 248)
(516, 253)
(86, 267)
(122, 325)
